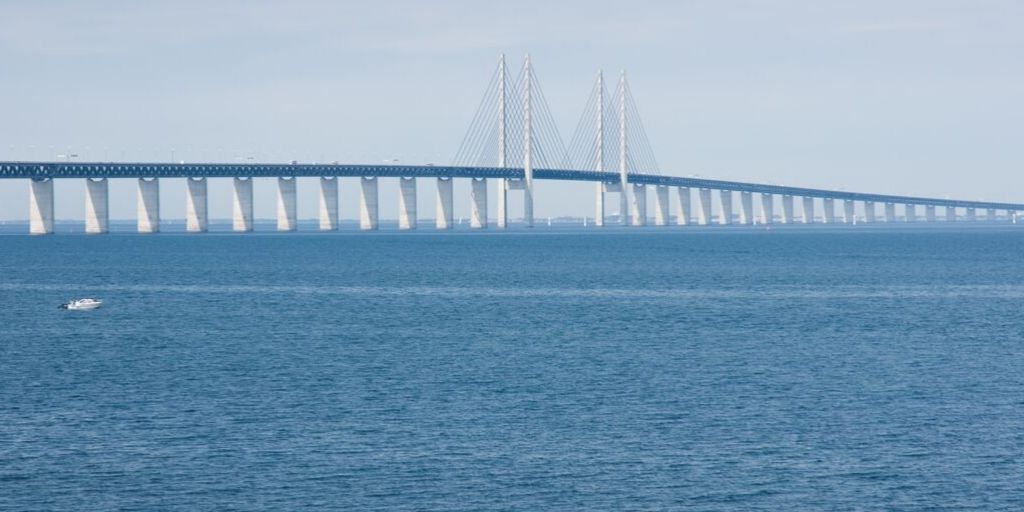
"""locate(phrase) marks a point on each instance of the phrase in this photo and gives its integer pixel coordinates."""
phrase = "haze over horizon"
(919, 98)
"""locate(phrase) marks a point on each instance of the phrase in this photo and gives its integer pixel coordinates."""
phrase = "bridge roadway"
(96, 170)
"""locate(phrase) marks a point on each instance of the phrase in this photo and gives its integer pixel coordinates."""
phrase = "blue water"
(706, 370)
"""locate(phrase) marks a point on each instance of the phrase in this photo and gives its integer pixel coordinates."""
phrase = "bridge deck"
(43, 170)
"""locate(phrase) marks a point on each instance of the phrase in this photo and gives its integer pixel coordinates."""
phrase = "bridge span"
(692, 197)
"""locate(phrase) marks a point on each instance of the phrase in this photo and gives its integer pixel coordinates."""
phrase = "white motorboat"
(82, 304)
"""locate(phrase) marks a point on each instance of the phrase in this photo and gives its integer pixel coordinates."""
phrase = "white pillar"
(725, 207)
(97, 216)
(661, 205)
(808, 210)
(286, 204)
(683, 211)
(368, 211)
(990, 215)
(929, 213)
(639, 210)
(40, 206)
(950, 214)
(328, 204)
(909, 213)
(849, 217)
(869, 211)
(241, 205)
(149, 205)
(478, 212)
(890, 212)
(787, 209)
(746, 208)
(767, 208)
(828, 206)
(502, 203)
(195, 205)
(971, 215)
(407, 217)
(599, 204)
(445, 217)
(704, 206)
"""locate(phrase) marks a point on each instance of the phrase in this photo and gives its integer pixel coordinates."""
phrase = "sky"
(919, 97)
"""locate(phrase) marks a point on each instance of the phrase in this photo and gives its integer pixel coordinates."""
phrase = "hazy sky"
(907, 97)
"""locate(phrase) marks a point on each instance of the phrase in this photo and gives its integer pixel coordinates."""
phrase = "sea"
(559, 368)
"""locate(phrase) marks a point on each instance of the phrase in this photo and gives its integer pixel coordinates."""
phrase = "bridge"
(512, 140)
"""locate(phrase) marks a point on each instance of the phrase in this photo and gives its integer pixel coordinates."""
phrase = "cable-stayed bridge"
(513, 141)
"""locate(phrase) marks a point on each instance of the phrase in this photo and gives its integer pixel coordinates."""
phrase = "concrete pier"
(828, 206)
(869, 211)
(849, 217)
(950, 214)
(704, 206)
(149, 205)
(196, 218)
(724, 207)
(502, 221)
(767, 208)
(746, 208)
(599, 205)
(328, 204)
(286, 204)
(787, 209)
(971, 215)
(478, 200)
(910, 213)
(683, 206)
(661, 205)
(97, 216)
(368, 211)
(639, 205)
(890, 213)
(445, 216)
(241, 205)
(40, 206)
(808, 210)
(929, 213)
(407, 216)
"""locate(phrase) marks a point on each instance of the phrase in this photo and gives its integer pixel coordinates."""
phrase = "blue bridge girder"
(96, 170)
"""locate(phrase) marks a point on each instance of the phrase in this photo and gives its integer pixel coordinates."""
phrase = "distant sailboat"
(584, 221)
(549, 221)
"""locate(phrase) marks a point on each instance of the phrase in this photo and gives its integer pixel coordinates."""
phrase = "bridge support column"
(40, 206)
(869, 211)
(502, 221)
(445, 217)
(97, 216)
(746, 208)
(286, 204)
(241, 205)
(808, 210)
(195, 205)
(828, 206)
(787, 209)
(849, 217)
(683, 211)
(368, 218)
(909, 213)
(990, 215)
(328, 204)
(929, 213)
(599, 205)
(661, 205)
(767, 208)
(407, 203)
(950, 214)
(639, 209)
(725, 207)
(890, 213)
(149, 205)
(704, 206)
(478, 213)
(971, 215)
